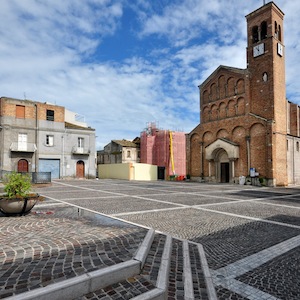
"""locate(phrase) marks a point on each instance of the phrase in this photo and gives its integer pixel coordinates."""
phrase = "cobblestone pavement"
(238, 226)
(52, 244)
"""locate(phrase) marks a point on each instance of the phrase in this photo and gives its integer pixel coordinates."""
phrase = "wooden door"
(22, 165)
(80, 169)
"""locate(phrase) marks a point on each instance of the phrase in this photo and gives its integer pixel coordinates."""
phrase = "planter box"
(18, 206)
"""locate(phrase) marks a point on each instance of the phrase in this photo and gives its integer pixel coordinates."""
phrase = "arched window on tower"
(279, 33)
(263, 30)
(277, 30)
(255, 34)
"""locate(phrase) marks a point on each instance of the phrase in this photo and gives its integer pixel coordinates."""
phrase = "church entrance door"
(223, 166)
(224, 172)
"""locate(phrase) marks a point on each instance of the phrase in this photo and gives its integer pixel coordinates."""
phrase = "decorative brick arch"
(206, 114)
(241, 106)
(240, 86)
(238, 133)
(231, 112)
(222, 110)
(221, 84)
(205, 96)
(230, 87)
(222, 133)
(207, 137)
(213, 92)
(257, 129)
(214, 113)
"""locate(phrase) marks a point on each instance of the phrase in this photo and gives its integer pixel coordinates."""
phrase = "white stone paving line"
(234, 200)
(146, 211)
(248, 291)
(198, 207)
(226, 276)
(246, 217)
(253, 261)
(137, 187)
(105, 197)
(280, 205)
(137, 197)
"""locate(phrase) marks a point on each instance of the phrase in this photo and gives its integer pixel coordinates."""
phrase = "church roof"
(225, 68)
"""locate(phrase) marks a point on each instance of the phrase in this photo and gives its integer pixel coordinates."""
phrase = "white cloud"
(55, 51)
(186, 20)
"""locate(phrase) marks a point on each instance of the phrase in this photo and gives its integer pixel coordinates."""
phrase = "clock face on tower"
(280, 49)
(258, 50)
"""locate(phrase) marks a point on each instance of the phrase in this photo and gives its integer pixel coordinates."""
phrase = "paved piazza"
(251, 235)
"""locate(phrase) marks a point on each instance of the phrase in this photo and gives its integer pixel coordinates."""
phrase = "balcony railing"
(22, 147)
(81, 150)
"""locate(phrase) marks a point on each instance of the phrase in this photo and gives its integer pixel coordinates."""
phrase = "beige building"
(248, 128)
(120, 151)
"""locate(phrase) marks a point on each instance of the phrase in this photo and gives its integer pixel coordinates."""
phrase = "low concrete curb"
(155, 294)
(162, 282)
(187, 272)
(144, 249)
(84, 284)
(163, 273)
(90, 282)
(87, 283)
(211, 292)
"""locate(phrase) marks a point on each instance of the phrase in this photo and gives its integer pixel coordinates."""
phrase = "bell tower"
(266, 69)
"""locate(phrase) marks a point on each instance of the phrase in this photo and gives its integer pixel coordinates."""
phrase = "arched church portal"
(222, 166)
(223, 153)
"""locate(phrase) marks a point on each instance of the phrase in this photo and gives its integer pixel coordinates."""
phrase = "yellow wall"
(129, 171)
(144, 172)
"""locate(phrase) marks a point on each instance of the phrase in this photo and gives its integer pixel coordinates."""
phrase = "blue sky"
(123, 63)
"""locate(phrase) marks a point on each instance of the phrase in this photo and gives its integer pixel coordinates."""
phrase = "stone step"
(162, 268)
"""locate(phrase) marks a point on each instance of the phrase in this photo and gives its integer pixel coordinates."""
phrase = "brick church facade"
(246, 121)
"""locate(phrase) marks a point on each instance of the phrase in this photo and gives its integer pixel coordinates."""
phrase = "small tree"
(17, 185)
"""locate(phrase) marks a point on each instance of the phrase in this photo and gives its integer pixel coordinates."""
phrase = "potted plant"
(17, 198)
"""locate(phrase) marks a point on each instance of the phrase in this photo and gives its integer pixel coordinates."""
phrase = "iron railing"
(36, 177)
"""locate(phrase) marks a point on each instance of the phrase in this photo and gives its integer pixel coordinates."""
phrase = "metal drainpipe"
(248, 154)
(202, 161)
(293, 161)
(2, 150)
(36, 136)
(63, 155)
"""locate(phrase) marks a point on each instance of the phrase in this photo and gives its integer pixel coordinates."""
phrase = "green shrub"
(17, 185)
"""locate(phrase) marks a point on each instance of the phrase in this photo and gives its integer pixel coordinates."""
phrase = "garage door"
(50, 165)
